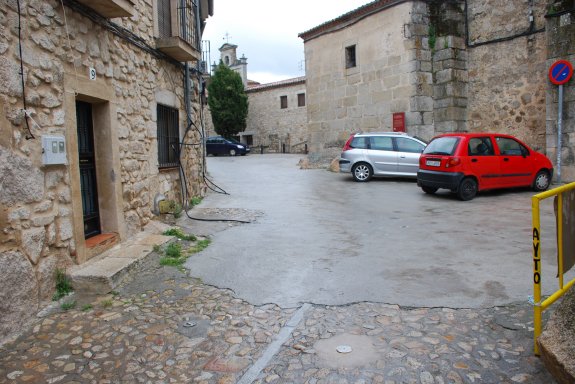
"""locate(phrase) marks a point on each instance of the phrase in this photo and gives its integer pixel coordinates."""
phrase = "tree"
(228, 102)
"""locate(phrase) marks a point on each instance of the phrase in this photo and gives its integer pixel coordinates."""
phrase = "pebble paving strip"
(179, 330)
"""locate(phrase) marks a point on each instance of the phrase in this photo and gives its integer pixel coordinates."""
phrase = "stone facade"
(41, 214)
(275, 128)
(448, 67)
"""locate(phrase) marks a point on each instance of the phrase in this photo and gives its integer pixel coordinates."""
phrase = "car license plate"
(433, 163)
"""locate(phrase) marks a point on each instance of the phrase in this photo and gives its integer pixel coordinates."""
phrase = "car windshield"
(442, 146)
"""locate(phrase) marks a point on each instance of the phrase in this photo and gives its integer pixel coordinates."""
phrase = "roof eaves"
(349, 18)
(277, 84)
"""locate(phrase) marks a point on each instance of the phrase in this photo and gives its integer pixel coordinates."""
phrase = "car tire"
(541, 181)
(429, 190)
(467, 189)
(233, 152)
(362, 172)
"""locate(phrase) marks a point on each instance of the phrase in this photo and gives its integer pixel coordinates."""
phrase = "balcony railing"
(178, 29)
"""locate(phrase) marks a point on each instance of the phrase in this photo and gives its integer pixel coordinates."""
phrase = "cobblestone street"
(165, 327)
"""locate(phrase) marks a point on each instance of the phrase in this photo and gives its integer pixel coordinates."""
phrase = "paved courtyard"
(349, 289)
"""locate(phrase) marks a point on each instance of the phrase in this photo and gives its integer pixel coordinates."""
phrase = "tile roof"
(348, 18)
(277, 84)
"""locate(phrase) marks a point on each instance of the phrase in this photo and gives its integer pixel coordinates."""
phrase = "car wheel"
(362, 172)
(232, 152)
(430, 190)
(541, 181)
(467, 189)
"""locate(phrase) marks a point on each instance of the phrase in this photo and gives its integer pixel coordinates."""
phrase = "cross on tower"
(227, 37)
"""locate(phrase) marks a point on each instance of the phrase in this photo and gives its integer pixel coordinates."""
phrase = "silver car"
(381, 154)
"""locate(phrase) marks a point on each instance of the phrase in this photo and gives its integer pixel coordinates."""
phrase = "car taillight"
(347, 145)
(452, 162)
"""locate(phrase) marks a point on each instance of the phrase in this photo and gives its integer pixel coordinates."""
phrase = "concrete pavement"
(161, 325)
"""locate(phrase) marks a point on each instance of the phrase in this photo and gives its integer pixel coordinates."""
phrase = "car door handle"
(474, 160)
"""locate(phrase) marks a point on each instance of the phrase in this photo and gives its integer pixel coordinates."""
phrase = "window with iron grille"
(283, 102)
(301, 99)
(168, 137)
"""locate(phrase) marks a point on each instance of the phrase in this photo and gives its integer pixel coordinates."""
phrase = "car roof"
(476, 134)
(381, 134)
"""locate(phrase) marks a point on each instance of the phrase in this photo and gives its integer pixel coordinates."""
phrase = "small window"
(350, 61)
(168, 137)
(227, 60)
(301, 99)
(510, 147)
(382, 143)
(408, 145)
(359, 142)
(283, 102)
(480, 146)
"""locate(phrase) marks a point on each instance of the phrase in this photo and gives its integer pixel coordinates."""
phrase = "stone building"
(460, 65)
(95, 101)
(277, 114)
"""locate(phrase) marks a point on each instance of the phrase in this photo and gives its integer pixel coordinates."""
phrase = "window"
(510, 147)
(283, 102)
(350, 61)
(408, 145)
(301, 99)
(480, 146)
(227, 60)
(359, 142)
(382, 143)
(168, 137)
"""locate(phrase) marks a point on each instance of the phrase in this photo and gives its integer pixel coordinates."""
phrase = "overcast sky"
(266, 32)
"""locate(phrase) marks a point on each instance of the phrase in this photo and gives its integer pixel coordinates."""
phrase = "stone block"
(18, 292)
(444, 76)
(33, 243)
(421, 103)
(402, 92)
(413, 118)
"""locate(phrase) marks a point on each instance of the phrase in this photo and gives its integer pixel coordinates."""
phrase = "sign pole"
(559, 73)
(559, 131)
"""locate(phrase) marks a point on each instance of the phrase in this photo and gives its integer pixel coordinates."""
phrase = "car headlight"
(240, 146)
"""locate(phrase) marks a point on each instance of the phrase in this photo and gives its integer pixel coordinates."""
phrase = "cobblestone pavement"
(165, 327)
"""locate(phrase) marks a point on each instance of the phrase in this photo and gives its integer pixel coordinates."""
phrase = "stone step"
(105, 272)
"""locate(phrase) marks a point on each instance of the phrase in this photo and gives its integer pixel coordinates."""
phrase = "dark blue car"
(218, 145)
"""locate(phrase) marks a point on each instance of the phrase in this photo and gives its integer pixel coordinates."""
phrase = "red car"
(466, 163)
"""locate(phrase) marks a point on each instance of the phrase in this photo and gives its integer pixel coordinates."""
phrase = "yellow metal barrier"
(538, 305)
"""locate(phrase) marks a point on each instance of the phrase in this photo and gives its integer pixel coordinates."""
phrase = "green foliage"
(178, 211)
(68, 305)
(174, 250)
(196, 200)
(200, 246)
(172, 262)
(228, 102)
(177, 232)
(106, 303)
(432, 37)
(157, 248)
(63, 284)
(87, 307)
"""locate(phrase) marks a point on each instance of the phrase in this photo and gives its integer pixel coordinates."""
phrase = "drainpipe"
(187, 103)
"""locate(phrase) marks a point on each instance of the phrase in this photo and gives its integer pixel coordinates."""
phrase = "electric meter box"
(53, 150)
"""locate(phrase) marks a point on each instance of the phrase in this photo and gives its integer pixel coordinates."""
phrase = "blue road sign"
(560, 72)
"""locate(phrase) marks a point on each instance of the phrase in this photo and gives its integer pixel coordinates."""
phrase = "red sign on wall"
(399, 122)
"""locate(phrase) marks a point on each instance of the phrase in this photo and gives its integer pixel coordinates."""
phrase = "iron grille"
(188, 17)
(164, 19)
(168, 137)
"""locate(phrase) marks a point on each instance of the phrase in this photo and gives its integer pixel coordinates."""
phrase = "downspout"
(187, 103)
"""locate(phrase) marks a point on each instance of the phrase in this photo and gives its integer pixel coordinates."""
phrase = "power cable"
(30, 135)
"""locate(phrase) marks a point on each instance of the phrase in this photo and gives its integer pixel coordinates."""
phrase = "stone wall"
(507, 78)
(342, 101)
(275, 128)
(40, 205)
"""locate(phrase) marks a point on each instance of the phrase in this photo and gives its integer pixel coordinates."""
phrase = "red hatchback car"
(466, 163)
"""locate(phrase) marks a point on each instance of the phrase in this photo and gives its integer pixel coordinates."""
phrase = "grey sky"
(265, 31)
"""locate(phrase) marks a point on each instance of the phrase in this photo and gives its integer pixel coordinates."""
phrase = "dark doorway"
(87, 169)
